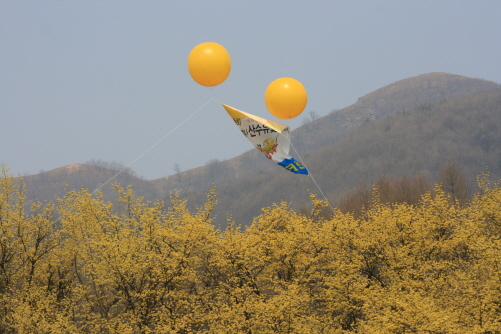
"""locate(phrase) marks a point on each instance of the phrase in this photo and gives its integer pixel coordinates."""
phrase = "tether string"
(309, 173)
(158, 142)
(149, 149)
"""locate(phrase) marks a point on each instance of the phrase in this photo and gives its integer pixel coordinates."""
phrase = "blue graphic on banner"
(294, 166)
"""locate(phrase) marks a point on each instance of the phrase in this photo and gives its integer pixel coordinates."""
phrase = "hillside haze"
(396, 97)
(413, 125)
(464, 129)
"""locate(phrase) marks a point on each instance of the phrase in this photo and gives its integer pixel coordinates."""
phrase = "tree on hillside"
(113, 166)
(405, 189)
(177, 170)
(215, 170)
(453, 182)
(98, 164)
(312, 115)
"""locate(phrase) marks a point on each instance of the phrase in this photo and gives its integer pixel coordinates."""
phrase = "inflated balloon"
(209, 64)
(285, 98)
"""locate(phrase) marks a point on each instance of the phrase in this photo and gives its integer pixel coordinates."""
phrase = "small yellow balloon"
(285, 98)
(209, 64)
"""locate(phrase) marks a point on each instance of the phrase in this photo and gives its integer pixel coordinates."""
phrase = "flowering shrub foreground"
(79, 267)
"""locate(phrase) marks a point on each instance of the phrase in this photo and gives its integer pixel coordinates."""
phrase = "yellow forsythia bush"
(80, 267)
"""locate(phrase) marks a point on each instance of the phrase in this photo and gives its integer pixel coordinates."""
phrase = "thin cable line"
(212, 95)
(151, 147)
(309, 173)
(158, 142)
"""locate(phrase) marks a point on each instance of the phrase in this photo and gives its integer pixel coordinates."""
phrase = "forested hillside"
(95, 174)
(465, 129)
(397, 97)
(413, 125)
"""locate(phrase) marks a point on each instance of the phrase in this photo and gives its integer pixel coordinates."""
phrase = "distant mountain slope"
(341, 149)
(466, 129)
(46, 185)
(396, 97)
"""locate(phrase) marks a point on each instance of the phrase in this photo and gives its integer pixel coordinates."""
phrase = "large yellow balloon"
(285, 98)
(209, 64)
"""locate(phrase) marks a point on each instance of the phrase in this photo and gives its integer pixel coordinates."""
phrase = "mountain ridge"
(465, 130)
(310, 139)
(392, 98)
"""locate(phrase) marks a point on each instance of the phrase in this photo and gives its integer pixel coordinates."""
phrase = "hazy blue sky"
(89, 79)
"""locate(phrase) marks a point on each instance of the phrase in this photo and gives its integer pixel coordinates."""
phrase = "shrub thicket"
(79, 267)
